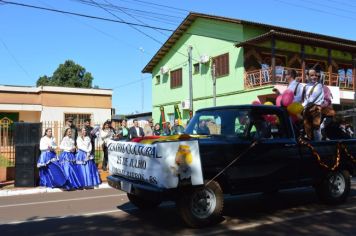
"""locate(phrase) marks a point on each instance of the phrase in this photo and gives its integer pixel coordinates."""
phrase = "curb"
(16, 192)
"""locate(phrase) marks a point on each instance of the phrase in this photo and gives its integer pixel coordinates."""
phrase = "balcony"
(263, 77)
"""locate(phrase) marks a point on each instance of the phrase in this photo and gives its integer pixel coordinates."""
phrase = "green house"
(247, 60)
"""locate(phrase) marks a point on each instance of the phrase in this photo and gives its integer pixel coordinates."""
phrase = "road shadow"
(253, 214)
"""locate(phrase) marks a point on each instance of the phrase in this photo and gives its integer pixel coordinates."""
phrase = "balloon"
(268, 103)
(279, 100)
(270, 118)
(287, 97)
(327, 97)
(295, 108)
(294, 118)
(256, 102)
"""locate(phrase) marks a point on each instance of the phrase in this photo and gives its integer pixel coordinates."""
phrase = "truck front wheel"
(144, 203)
(335, 187)
(201, 206)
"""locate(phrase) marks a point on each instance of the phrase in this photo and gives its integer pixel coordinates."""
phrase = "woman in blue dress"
(51, 173)
(86, 167)
(67, 161)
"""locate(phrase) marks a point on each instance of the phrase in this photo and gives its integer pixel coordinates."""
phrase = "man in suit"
(136, 131)
(69, 125)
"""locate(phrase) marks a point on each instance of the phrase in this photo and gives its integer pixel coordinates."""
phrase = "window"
(221, 65)
(239, 123)
(158, 79)
(207, 125)
(196, 68)
(78, 118)
(176, 78)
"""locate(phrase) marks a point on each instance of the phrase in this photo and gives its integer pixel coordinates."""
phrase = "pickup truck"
(229, 150)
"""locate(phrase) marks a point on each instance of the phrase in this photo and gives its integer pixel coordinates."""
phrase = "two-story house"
(247, 59)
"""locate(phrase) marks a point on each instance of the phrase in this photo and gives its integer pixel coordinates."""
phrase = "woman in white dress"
(67, 161)
(86, 167)
(51, 173)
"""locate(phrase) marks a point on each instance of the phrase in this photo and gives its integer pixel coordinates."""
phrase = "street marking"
(68, 216)
(64, 200)
(79, 215)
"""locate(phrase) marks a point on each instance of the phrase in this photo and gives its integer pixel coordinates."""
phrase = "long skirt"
(67, 162)
(51, 173)
(87, 170)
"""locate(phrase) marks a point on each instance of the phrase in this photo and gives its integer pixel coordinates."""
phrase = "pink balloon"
(287, 97)
(279, 100)
(256, 102)
(327, 97)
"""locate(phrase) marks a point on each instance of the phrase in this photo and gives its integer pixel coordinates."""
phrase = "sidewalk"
(8, 188)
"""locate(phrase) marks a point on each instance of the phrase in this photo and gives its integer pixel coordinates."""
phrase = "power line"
(86, 16)
(147, 35)
(343, 3)
(155, 17)
(15, 59)
(99, 30)
(315, 9)
(132, 26)
(334, 8)
(158, 6)
(130, 83)
(88, 2)
(161, 5)
(138, 20)
(142, 14)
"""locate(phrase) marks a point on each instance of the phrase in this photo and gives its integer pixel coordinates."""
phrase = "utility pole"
(354, 114)
(354, 88)
(214, 83)
(142, 82)
(190, 48)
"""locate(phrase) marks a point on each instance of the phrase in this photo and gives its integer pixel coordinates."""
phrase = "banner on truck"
(163, 164)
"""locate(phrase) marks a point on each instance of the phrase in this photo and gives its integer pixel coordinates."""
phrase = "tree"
(68, 74)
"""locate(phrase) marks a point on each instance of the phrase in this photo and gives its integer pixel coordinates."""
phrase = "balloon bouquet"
(285, 99)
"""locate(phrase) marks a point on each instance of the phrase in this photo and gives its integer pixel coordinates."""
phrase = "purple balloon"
(287, 97)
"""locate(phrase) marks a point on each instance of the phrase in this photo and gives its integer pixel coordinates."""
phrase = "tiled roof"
(288, 33)
(299, 38)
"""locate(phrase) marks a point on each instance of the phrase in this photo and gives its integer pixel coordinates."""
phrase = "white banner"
(163, 164)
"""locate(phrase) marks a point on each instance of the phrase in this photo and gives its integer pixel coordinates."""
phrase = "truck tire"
(201, 206)
(142, 202)
(335, 187)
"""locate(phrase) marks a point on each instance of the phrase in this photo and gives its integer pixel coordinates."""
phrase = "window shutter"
(176, 78)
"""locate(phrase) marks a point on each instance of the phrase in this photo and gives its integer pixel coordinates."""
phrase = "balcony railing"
(262, 77)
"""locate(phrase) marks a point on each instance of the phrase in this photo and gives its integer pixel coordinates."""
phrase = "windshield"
(220, 122)
(243, 123)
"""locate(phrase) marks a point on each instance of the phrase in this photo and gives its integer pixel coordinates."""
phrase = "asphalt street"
(108, 212)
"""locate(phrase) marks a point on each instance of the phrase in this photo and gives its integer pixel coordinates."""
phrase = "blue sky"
(34, 42)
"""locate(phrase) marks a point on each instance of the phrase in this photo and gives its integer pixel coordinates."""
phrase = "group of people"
(109, 131)
(319, 120)
(75, 167)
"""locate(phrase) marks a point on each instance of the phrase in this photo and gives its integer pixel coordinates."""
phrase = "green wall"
(206, 37)
(214, 38)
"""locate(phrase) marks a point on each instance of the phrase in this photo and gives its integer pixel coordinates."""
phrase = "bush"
(5, 162)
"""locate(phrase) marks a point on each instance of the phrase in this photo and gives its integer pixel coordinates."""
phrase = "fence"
(7, 148)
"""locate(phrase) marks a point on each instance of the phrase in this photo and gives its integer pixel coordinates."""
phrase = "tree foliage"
(68, 74)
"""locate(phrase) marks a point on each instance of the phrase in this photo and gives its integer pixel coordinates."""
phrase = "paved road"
(107, 212)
